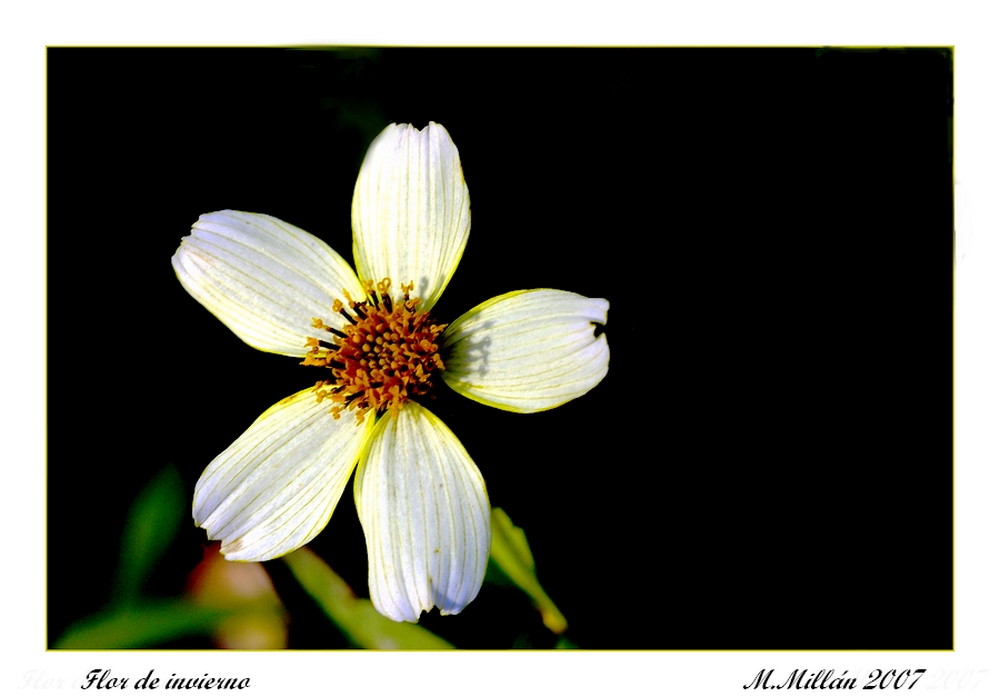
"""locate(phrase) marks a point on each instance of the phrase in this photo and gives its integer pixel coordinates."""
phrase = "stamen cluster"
(384, 355)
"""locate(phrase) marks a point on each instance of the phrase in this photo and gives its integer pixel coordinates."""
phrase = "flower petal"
(411, 210)
(275, 488)
(528, 350)
(426, 517)
(265, 279)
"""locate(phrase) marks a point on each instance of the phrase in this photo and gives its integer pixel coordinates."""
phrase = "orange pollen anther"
(382, 356)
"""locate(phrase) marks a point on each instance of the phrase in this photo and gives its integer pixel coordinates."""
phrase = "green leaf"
(357, 618)
(142, 625)
(151, 526)
(510, 552)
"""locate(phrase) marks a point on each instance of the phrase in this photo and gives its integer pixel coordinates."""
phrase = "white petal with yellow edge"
(411, 213)
(265, 279)
(528, 350)
(426, 517)
(275, 488)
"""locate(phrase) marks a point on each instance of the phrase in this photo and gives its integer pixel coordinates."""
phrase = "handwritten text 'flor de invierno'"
(103, 680)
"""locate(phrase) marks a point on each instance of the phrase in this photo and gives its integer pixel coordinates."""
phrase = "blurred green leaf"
(356, 617)
(142, 625)
(151, 526)
(510, 552)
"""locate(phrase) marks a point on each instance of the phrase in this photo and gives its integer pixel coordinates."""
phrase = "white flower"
(421, 499)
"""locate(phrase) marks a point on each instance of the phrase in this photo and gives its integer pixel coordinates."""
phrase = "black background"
(768, 464)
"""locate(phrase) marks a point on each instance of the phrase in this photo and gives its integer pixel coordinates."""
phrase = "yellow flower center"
(385, 354)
